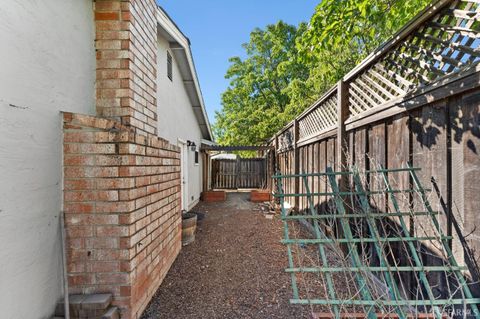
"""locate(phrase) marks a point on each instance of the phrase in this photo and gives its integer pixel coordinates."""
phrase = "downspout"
(62, 229)
(64, 260)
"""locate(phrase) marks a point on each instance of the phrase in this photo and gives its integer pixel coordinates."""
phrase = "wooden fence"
(240, 173)
(416, 99)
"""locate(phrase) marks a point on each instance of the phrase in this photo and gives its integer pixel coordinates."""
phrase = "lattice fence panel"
(320, 118)
(447, 43)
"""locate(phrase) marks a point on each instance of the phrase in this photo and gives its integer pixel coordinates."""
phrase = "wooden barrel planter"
(189, 225)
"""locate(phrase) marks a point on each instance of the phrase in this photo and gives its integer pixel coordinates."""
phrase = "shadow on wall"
(457, 117)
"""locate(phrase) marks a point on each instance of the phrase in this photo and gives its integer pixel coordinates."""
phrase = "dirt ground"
(234, 269)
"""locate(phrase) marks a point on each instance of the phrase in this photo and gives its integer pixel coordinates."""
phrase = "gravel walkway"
(234, 269)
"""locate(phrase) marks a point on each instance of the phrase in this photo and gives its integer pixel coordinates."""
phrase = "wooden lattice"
(442, 41)
(440, 46)
(320, 118)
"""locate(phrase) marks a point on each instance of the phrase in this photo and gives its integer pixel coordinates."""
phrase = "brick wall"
(126, 44)
(122, 210)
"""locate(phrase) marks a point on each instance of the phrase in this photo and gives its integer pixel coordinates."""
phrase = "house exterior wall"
(174, 107)
(48, 64)
(121, 180)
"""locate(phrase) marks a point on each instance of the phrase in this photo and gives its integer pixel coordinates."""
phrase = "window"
(196, 158)
(169, 66)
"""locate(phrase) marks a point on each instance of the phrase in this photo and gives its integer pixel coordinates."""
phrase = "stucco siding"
(47, 65)
(176, 119)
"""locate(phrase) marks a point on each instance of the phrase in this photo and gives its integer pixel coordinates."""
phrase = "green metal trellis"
(356, 205)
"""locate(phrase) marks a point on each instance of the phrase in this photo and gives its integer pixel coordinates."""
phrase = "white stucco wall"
(176, 118)
(47, 63)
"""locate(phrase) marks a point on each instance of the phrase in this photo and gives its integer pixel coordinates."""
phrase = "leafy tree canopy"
(255, 102)
(286, 67)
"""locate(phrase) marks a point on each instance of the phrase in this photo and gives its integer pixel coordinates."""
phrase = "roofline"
(182, 43)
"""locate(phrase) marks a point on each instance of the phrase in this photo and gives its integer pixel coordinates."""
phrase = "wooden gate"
(241, 173)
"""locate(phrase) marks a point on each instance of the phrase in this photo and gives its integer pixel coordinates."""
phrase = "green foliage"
(255, 101)
(288, 68)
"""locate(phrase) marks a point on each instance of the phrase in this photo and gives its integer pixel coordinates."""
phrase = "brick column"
(126, 44)
(121, 181)
(122, 210)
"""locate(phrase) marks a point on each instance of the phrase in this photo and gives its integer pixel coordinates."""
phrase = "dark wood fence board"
(315, 169)
(377, 158)
(398, 155)
(302, 163)
(322, 162)
(429, 151)
(457, 199)
(360, 148)
(466, 137)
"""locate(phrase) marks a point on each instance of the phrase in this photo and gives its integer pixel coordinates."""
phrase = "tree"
(254, 104)
(288, 68)
(341, 33)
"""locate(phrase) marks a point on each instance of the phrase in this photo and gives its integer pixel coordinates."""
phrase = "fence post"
(342, 148)
(296, 164)
(205, 171)
(342, 138)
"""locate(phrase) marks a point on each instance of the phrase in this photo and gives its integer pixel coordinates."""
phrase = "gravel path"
(234, 269)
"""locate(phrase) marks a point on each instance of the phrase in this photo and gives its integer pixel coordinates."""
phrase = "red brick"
(113, 74)
(107, 5)
(133, 193)
(90, 219)
(79, 184)
(79, 137)
(88, 196)
(81, 279)
(107, 35)
(113, 278)
(112, 231)
(125, 291)
(126, 16)
(111, 254)
(78, 160)
(115, 207)
(116, 183)
(112, 25)
(76, 267)
(79, 208)
(101, 242)
(107, 15)
(89, 148)
(102, 266)
(79, 231)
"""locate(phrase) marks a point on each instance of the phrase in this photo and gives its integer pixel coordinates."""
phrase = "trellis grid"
(374, 248)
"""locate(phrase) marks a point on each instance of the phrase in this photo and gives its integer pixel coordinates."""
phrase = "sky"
(217, 29)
